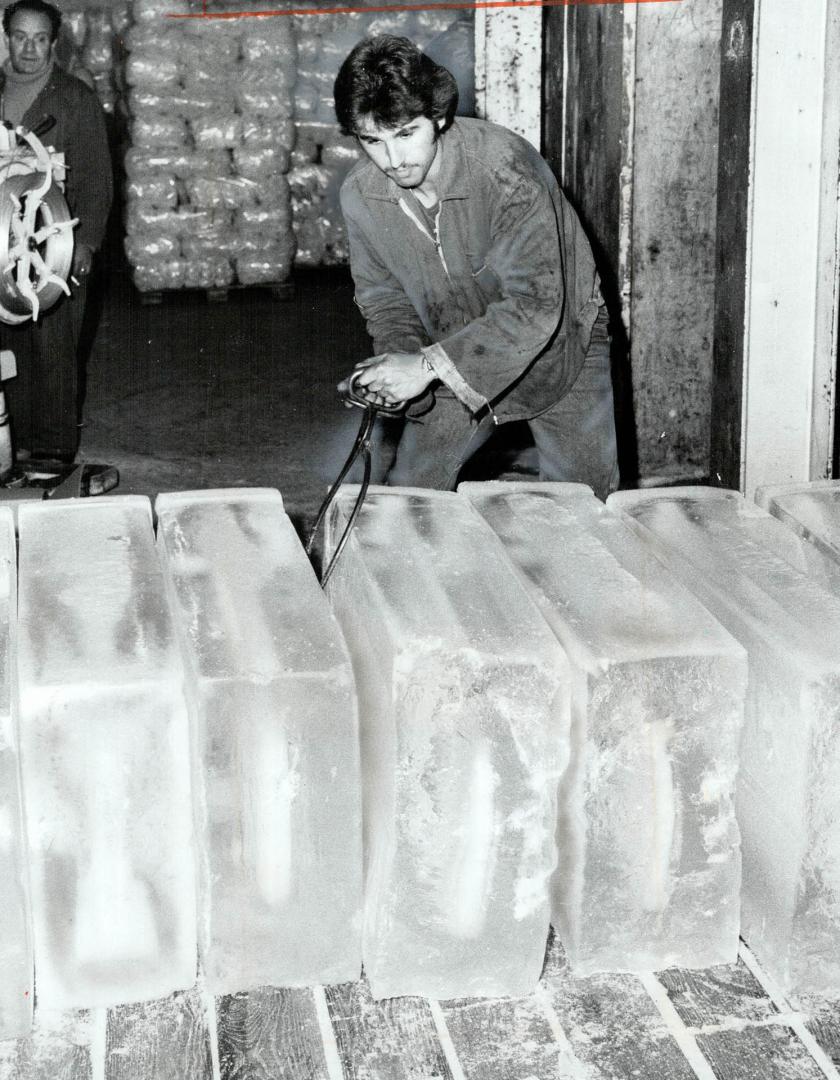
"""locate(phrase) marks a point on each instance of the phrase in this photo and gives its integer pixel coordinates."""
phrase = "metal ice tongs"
(361, 446)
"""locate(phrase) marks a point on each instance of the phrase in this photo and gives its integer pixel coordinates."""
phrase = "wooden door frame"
(776, 341)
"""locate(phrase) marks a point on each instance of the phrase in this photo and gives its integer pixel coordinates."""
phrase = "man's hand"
(391, 378)
(82, 261)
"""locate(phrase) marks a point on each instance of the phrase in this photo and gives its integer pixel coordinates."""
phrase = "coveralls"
(500, 294)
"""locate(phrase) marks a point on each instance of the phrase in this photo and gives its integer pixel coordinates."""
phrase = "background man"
(474, 275)
(43, 398)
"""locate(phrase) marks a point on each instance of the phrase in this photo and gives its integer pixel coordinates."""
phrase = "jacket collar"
(453, 181)
(51, 83)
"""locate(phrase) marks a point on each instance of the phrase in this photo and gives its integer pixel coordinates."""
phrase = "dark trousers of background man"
(43, 398)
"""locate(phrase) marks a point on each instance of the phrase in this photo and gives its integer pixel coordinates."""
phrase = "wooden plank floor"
(724, 1023)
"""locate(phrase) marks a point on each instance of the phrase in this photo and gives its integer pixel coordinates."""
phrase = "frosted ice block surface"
(811, 510)
(277, 761)
(104, 732)
(788, 797)
(15, 938)
(464, 713)
(650, 870)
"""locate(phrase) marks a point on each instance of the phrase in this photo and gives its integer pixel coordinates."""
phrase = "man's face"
(405, 153)
(30, 42)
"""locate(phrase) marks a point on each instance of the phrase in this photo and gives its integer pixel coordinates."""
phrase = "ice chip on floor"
(277, 766)
(104, 734)
(15, 937)
(464, 716)
(740, 562)
(649, 870)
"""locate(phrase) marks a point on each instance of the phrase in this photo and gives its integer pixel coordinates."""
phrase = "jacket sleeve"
(90, 182)
(392, 321)
(525, 278)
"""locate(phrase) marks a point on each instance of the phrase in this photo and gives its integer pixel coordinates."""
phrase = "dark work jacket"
(503, 300)
(80, 133)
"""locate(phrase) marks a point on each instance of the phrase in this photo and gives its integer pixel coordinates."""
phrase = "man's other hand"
(391, 378)
(82, 261)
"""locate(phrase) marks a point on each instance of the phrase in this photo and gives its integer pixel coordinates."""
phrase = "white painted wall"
(508, 68)
(792, 260)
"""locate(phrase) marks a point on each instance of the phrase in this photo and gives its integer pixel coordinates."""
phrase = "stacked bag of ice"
(207, 202)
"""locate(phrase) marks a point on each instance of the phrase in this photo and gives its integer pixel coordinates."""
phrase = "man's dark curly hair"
(39, 7)
(389, 79)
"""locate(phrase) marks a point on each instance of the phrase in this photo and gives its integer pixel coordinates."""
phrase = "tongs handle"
(353, 397)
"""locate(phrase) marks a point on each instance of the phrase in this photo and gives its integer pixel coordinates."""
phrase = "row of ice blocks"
(508, 780)
(484, 751)
(549, 728)
(188, 750)
(779, 595)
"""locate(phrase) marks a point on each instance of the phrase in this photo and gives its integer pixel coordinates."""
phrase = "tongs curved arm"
(360, 446)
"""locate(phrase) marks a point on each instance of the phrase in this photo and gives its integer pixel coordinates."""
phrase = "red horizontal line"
(450, 5)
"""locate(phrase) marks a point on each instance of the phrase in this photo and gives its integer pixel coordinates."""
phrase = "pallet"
(280, 290)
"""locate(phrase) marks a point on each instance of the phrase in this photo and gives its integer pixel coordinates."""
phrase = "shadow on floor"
(190, 393)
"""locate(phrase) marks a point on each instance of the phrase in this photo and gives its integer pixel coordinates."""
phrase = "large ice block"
(276, 777)
(811, 510)
(650, 870)
(16, 996)
(788, 799)
(104, 732)
(464, 714)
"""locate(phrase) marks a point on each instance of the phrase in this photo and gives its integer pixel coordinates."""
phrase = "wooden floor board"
(759, 1053)
(395, 1039)
(716, 994)
(59, 1048)
(612, 1025)
(506, 1039)
(270, 1034)
(824, 1024)
(604, 1027)
(165, 1040)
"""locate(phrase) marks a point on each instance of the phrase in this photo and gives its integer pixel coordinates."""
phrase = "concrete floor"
(190, 393)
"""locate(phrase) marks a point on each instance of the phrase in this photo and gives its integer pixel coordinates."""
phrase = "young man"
(34, 90)
(475, 277)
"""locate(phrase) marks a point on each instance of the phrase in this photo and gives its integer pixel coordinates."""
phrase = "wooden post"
(508, 68)
(731, 242)
(587, 139)
(792, 245)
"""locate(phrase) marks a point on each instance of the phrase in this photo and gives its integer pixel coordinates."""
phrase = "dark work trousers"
(575, 438)
(43, 396)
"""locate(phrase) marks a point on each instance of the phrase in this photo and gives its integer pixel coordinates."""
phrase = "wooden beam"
(508, 68)
(792, 273)
(270, 1033)
(396, 1038)
(731, 242)
(583, 60)
(588, 141)
(167, 1039)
